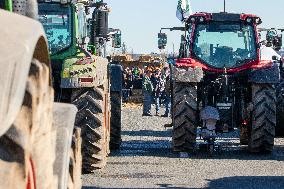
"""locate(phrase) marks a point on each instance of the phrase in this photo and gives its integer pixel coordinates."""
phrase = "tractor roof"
(224, 16)
(66, 1)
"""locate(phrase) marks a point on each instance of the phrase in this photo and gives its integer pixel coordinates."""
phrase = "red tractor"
(221, 83)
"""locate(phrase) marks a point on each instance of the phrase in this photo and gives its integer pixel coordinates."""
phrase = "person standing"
(167, 91)
(167, 97)
(156, 80)
(147, 92)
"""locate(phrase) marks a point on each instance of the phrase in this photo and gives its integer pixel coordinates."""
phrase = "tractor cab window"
(56, 20)
(224, 45)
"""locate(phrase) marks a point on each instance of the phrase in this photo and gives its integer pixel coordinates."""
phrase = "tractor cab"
(64, 23)
(221, 41)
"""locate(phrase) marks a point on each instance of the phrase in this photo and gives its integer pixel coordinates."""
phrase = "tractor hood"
(19, 37)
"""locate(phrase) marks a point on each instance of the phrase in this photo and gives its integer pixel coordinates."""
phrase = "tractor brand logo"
(224, 106)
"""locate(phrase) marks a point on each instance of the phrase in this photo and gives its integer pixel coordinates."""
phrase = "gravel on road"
(146, 160)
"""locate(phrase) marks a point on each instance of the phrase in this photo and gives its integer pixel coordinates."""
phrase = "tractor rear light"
(86, 80)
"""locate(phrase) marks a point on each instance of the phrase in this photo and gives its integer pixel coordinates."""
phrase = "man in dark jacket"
(167, 97)
(167, 91)
(157, 85)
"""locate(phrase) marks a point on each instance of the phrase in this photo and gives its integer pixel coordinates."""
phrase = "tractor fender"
(22, 39)
(265, 75)
(187, 74)
(63, 124)
(115, 71)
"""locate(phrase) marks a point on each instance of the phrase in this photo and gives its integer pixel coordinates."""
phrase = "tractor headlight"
(201, 19)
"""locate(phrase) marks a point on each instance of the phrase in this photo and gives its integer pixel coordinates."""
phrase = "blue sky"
(141, 20)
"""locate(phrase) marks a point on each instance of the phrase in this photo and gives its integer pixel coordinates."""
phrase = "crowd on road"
(156, 86)
(132, 76)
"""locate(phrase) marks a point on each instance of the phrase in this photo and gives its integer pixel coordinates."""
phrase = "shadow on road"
(236, 182)
(165, 133)
(162, 148)
(231, 149)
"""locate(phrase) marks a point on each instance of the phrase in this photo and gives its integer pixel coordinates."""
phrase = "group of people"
(132, 77)
(131, 74)
(155, 85)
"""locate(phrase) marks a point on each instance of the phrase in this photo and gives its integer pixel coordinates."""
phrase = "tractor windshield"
(56, 21)
(224, 45)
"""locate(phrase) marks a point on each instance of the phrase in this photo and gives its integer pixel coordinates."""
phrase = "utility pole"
(173, 49)
(123, 48)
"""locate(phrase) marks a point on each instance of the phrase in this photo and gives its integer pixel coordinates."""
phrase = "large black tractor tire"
(27, 150)
(75, 165)
(115, 120)
(184, 116)
(280, 110)
(262, 132)
(91, 119)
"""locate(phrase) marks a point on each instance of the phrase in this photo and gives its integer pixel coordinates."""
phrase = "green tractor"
(82, 73)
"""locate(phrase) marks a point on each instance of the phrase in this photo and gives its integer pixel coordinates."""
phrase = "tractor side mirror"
(116, 42)
(162, 40)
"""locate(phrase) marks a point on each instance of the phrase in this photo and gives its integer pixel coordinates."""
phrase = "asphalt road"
(146, 161)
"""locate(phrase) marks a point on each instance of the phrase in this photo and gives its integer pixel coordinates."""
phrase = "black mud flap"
(116, 77)
(267, 75)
